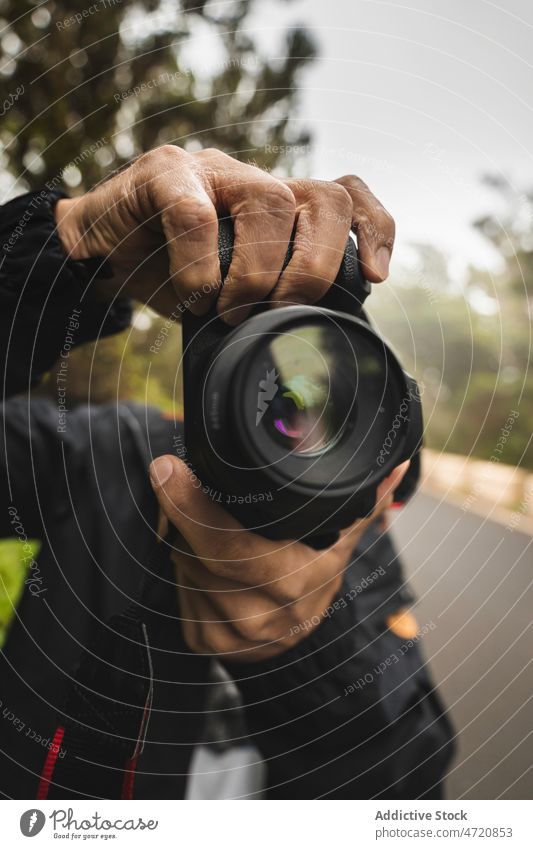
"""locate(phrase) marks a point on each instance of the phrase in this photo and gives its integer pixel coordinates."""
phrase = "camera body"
(293, 418)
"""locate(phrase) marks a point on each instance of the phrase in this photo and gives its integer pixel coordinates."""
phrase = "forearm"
(48, 303)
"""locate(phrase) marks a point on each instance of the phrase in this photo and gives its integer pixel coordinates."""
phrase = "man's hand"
(242, 596)
(156, 222)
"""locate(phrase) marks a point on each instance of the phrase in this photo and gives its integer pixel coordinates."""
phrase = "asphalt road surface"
(473, 579)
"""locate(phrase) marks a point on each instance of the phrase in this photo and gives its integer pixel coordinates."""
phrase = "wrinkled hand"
(156, 222)
(242, 596)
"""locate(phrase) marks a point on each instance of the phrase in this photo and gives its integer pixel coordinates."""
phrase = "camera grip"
(349, 291)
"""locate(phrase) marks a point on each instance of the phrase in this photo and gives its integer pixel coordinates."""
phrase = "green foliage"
(120, 81)
(471, 354)
(108, 85)
(123, 368)
(14, 564)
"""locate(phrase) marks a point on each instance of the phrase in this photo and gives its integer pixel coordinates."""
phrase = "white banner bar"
(264, 825)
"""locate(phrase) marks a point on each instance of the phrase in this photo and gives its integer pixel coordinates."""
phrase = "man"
(285, 620)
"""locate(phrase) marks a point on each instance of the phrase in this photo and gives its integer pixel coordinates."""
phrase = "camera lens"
(303, 414)
(293, 417)
(313, 399)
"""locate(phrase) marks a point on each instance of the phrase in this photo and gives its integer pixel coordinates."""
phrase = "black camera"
(294, 417)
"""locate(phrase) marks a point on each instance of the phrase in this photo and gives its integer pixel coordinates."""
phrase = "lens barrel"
(300, 414)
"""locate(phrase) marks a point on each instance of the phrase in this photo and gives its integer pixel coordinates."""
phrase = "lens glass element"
(303, 408)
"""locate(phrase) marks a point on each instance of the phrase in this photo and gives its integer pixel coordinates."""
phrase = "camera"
(294, 417)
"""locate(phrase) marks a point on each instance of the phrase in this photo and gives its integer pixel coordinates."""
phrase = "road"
(473, 579)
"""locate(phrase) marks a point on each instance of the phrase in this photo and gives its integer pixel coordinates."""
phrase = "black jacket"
(333, 717)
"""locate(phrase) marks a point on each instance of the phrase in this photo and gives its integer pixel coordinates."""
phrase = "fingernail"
(160, 471)
(382, 262)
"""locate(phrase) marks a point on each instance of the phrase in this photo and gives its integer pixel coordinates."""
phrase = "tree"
(471, 355)
(99, 83)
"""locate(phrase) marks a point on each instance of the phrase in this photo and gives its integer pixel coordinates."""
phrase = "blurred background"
(430, 104)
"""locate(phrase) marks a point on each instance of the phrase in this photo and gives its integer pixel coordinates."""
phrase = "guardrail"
(503, 493)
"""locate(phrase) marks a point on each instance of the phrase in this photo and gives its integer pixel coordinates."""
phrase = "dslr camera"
(293, 418)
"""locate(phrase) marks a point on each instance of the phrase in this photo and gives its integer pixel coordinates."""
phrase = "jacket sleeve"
(47, 307)
(47, 303)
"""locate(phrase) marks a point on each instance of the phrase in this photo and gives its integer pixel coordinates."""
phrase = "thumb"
(187, 506)
(160, 471)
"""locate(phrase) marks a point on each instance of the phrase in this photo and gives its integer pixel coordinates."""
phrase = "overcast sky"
(420, 99)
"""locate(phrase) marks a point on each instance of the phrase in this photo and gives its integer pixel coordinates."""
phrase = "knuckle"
(313, 267)
(228, 553)
(251, 628)
(163, 153)
(215, 642)
(377, 225)
(299, 185)
(251, 275)
(381, 216)
(363, 221)
(353, 183)
(278, 198)
(263, 627)
(296, 612)
(167, 149)
(339, 197)
(388, 224)
(320, 192)
(288, 591)
(212, 638)
(210, 153)
(191, 212)
(273, 629)
(305, 191)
